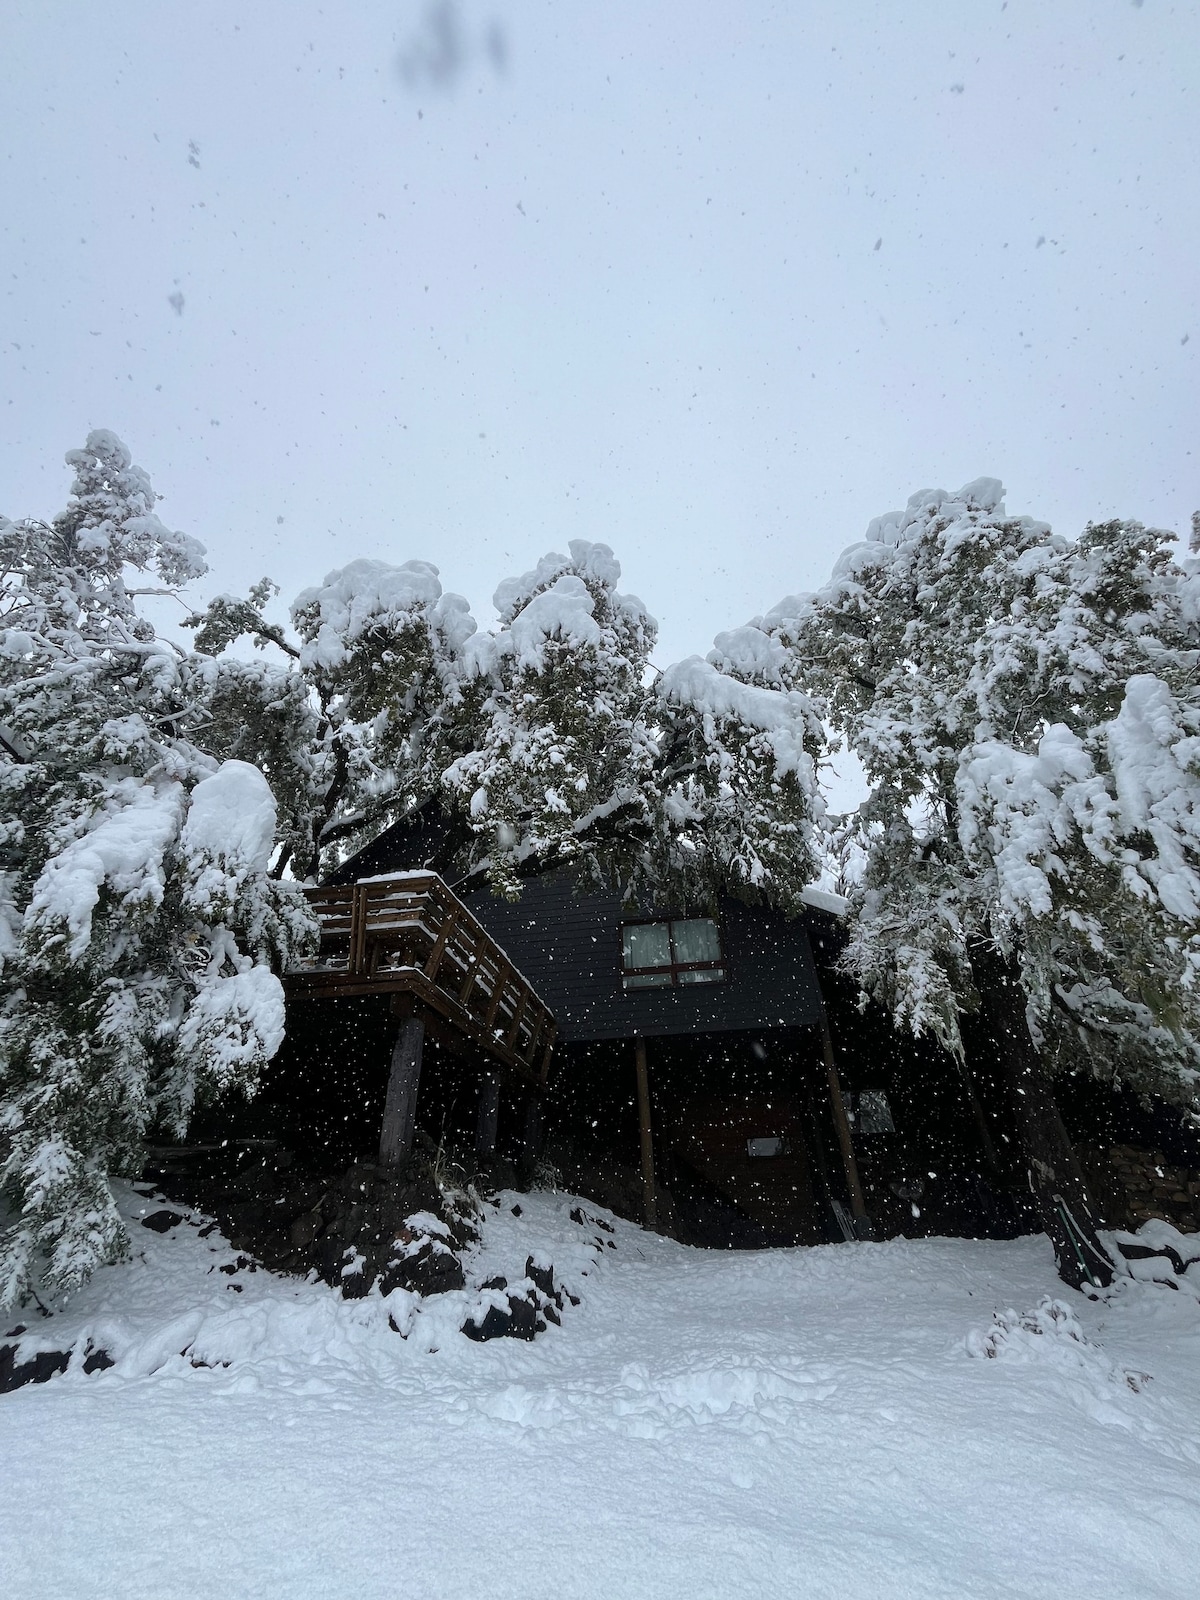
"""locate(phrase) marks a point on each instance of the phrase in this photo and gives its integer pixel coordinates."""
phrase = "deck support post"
(649, 1197)
(841, 1122)
(488, 1117)
(400, 1107)
(531, 1136)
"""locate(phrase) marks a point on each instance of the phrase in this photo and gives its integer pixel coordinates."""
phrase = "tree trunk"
(649, 1194)
(487, 1118)
(1068, 1213)
(531, 1136)
(858, 1206)
(400, 1107)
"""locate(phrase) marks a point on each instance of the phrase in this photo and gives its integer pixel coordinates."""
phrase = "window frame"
(720, 967)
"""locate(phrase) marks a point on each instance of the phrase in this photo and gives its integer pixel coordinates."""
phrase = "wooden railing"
(410, 935)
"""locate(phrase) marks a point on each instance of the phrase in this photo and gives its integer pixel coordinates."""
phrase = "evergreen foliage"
(1025, 711)
(550, 739)
(138, 927)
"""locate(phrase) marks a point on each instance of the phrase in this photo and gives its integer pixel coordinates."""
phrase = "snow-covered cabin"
(712, 1074)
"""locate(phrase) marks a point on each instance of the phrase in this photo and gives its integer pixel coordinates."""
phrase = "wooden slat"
(503, 971)
(439, 946)
(518, 1012)
(471, 946)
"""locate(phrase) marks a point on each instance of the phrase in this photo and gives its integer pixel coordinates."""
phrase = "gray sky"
(714, 283)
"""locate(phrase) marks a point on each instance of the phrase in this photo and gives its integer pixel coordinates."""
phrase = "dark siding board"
(569, 947)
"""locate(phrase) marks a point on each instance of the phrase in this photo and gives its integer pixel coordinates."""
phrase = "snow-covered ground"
(786, 1423)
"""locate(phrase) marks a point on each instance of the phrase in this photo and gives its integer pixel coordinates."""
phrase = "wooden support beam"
(400, 1107)
(990, 1154)
(547, 1053)
(649, 1197)
(531, 1136)
(841, 1122)
(487, 1117)
(358, 928)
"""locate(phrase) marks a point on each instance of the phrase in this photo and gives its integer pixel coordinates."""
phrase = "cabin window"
(659, 955)
(874, 1112)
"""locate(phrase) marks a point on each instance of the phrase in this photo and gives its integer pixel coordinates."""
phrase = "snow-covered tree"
(687, 782)
(549, 740)
(558, 754)
(1085, 795)
(139, 929)
(1024, 710)
(738, 784)
(358, 720)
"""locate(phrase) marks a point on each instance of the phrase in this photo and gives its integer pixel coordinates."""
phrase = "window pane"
(704, 975)
(771, 1146)
(646, 944)
(696, 940)
(647, 980)
(874, 1112)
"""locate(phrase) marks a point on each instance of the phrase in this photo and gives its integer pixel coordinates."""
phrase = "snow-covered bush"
(139, 927)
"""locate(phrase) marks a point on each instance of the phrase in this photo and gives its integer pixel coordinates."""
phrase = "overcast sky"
(713, 283)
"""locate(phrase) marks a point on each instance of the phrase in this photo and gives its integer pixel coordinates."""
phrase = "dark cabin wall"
(567, 942)
(568, 945)
(427, 838)
(934, 1174)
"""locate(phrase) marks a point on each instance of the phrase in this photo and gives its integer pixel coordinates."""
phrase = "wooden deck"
(410, 937)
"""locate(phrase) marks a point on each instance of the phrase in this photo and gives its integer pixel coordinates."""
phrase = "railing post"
(468, 983)
(358, 927)
(498, 986)
(450, 917)
(518, 1012)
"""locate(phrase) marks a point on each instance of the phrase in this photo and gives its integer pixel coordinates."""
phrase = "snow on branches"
(688, 783)
(743, 774)
(562, 753)
(545, 740)
(141, 931)
(1025, 711)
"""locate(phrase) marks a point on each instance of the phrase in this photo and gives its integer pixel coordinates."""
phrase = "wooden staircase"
(408, 936)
